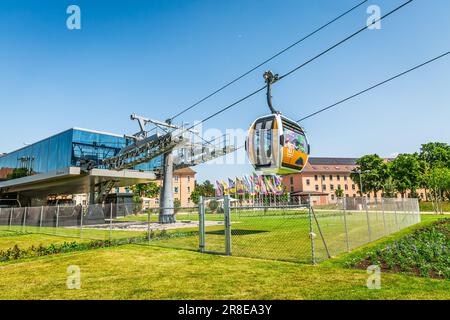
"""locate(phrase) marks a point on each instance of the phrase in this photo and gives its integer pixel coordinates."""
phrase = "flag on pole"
(231, 186)
(240, 189)
(278, 185)
(225, 188)
(219, 189)
(263, 185)
(256, 184)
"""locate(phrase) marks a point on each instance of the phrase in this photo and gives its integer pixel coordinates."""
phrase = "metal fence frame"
(355, 221)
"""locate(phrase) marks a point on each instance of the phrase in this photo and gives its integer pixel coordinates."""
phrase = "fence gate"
(215, 225)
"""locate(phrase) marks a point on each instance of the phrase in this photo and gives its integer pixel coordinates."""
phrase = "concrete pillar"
(166, 214)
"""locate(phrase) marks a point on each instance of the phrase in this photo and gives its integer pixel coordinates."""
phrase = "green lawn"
(150, 272)
(139, 272)
(427, 206)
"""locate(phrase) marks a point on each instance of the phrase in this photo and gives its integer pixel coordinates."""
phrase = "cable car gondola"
(276, 144)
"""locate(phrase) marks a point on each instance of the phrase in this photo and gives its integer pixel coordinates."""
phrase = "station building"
(68, 164)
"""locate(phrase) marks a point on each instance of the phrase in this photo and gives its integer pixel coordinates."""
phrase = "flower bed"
(425, 253)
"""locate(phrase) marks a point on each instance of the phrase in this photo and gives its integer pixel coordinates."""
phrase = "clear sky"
(155, 57)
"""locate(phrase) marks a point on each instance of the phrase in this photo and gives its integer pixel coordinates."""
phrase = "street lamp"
(360, 179)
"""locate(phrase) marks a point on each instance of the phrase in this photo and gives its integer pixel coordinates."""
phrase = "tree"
(435, 154)
(389, 188)
(18, 173)
(339, 192)
(438, 182)
(206, 189)
(149, 190)
(406, 172)
(371, 171)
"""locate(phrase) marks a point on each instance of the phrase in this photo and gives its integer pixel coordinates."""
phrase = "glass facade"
(73, 147)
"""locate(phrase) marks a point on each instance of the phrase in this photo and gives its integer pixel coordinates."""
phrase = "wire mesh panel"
(214, 224)
(280, 232)
(356, 221)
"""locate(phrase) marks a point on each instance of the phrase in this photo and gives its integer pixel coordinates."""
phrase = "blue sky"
(155, 57)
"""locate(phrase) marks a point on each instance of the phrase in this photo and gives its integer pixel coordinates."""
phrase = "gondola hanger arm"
(270, 79)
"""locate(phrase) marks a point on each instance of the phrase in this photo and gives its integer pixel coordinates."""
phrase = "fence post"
(395, 214)
(149, 219)
(24, 218)
(81, 221)
(40, 218)
(384, 217)
(110, 220)
(345, 223)
(311, 233)
(57, 218)
(10, 218)
(201, 224)
(368, 219)
(226, 210)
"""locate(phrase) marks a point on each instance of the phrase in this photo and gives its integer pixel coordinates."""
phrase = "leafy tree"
(149, 190)
(389, 188)
(435, 154)
(206, 189)
(18, 173)
(438, 182)
(339, 192)
(406, 172)
(373, 171)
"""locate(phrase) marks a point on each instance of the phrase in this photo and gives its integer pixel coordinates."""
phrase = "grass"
(143, 272)
(427, 206)
(137, 272)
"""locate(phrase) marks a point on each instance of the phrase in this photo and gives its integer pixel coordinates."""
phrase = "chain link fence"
(287, 231)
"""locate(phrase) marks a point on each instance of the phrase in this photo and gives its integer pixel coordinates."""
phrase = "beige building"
(321, 177)
(183, 184)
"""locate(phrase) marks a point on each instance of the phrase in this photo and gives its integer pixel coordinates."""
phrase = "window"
(353, 187)
(189, 189)
(323, 178)
(331, 186)
(345, 178)
(127, 190)
(331, 177)
(354, 195)
(117, 190)
(176, 189)
(291, 180)
(324, 187)
(332, 197)
(317, 187)
(338, 177)
(346, 187)
(292, 188)
(315, 177)
(176, 178)
(189, 178)
(308, 182)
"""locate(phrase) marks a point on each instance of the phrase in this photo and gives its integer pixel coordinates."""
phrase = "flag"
(240, 189)
(247, 184)
(231, 186)
(262, 185)
(278, 185)
(219, 189)
(225, 188)
(256, 184)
